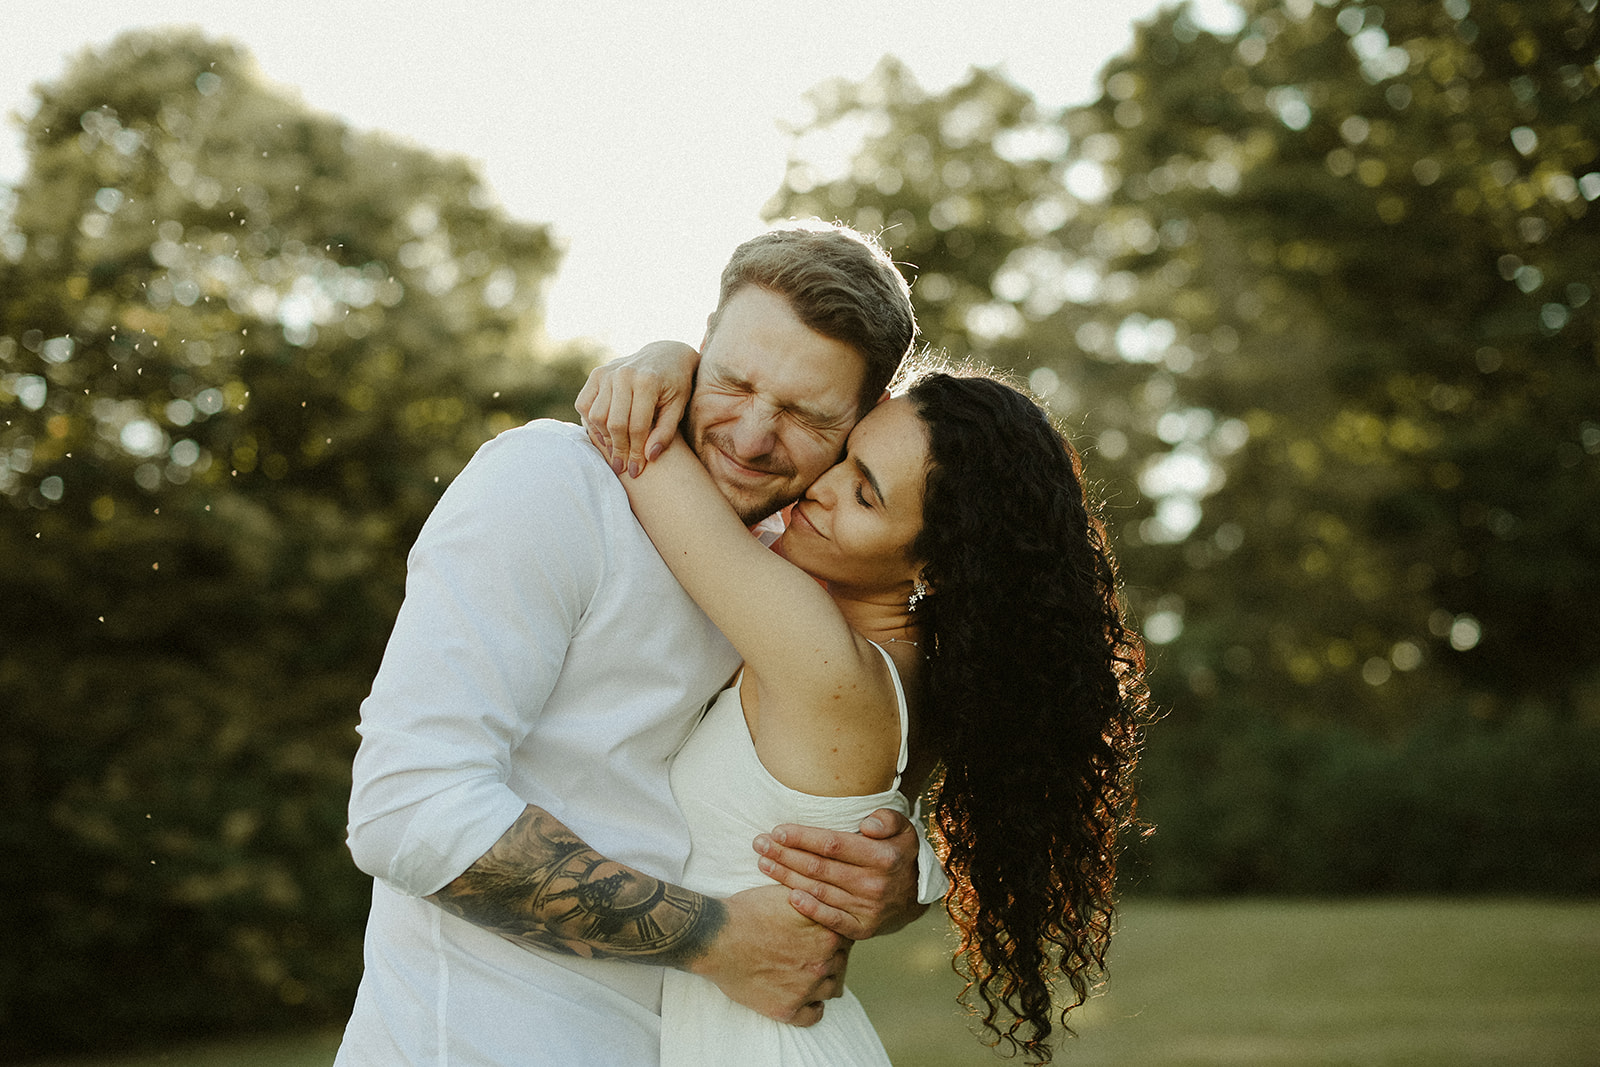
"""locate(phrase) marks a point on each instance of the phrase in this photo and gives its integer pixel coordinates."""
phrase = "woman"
(943, 619)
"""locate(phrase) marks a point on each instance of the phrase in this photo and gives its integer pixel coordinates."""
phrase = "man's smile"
(730, 461)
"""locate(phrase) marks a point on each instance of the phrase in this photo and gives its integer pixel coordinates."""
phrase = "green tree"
(1323, 290)
(1392, 241)
(243, 348)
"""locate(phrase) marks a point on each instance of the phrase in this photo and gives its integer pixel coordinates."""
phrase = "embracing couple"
(631, 781)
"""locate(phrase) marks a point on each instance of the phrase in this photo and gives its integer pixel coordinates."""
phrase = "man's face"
(773, 402)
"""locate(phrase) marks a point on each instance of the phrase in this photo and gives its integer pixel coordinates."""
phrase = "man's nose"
(756, 431)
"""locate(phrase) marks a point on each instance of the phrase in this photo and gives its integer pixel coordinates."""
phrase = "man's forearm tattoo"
(541, 885)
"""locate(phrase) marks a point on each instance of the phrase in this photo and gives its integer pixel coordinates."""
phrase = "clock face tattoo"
(599, 906)
(662, 921)
(541, 885)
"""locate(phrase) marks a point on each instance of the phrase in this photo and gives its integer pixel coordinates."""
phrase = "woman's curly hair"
(1035, 705)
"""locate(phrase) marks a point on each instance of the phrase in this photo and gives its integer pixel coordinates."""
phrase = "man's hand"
(541, 887)
(631, 407)
(857, 885)
(769, 958)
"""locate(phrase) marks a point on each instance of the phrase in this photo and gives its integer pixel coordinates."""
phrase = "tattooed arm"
(541, 886)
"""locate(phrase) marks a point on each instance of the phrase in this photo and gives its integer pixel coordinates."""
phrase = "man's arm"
(467, 668)
(541, 886)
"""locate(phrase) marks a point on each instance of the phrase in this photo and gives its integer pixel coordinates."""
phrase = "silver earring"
(918, 591)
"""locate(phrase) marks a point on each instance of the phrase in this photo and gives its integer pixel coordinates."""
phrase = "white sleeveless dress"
(727, 797)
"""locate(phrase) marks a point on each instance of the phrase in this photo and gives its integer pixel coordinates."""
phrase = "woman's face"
(854, 527)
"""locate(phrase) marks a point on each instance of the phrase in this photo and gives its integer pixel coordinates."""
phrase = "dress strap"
(905, 715)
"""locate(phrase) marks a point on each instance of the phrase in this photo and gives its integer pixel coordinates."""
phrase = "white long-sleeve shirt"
(544, 655)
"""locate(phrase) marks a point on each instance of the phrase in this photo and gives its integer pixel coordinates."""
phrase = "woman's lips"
(797, 515)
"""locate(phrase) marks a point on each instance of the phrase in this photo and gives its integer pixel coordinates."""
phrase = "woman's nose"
(824, 490)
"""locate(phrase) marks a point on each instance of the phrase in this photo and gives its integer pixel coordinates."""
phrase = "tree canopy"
(1315, 297)
(243, 348)
(1318, 298)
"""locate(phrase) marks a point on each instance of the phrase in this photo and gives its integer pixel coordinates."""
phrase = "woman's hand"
(857, 885)
(631, 407)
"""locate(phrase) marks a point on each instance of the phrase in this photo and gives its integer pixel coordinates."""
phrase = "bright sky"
(647, 134)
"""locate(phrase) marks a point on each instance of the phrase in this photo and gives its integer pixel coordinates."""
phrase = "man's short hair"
(840, 283)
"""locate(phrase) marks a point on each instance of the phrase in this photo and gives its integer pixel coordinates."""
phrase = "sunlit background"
(1313, 285)
(648, 135)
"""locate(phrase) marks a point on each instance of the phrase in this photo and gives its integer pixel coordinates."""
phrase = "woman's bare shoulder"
(839, 736)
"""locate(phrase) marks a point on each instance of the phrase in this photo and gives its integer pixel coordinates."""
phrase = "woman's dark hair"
(1035, 705)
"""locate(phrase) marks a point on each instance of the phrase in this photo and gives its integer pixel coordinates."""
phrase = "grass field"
(1270, 982)
(1424, 983)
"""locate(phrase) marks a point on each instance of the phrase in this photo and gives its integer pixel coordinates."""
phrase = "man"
(510, 794)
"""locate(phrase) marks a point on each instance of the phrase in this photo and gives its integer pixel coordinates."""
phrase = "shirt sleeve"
(496, 585)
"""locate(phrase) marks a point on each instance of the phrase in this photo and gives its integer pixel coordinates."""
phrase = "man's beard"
(750, 512)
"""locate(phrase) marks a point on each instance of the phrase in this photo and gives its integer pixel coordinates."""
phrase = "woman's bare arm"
(781, 620)
(822, 685)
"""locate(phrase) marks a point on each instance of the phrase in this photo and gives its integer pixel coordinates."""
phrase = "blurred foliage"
(1317, 297)
(243, 348)
(1242, 805)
